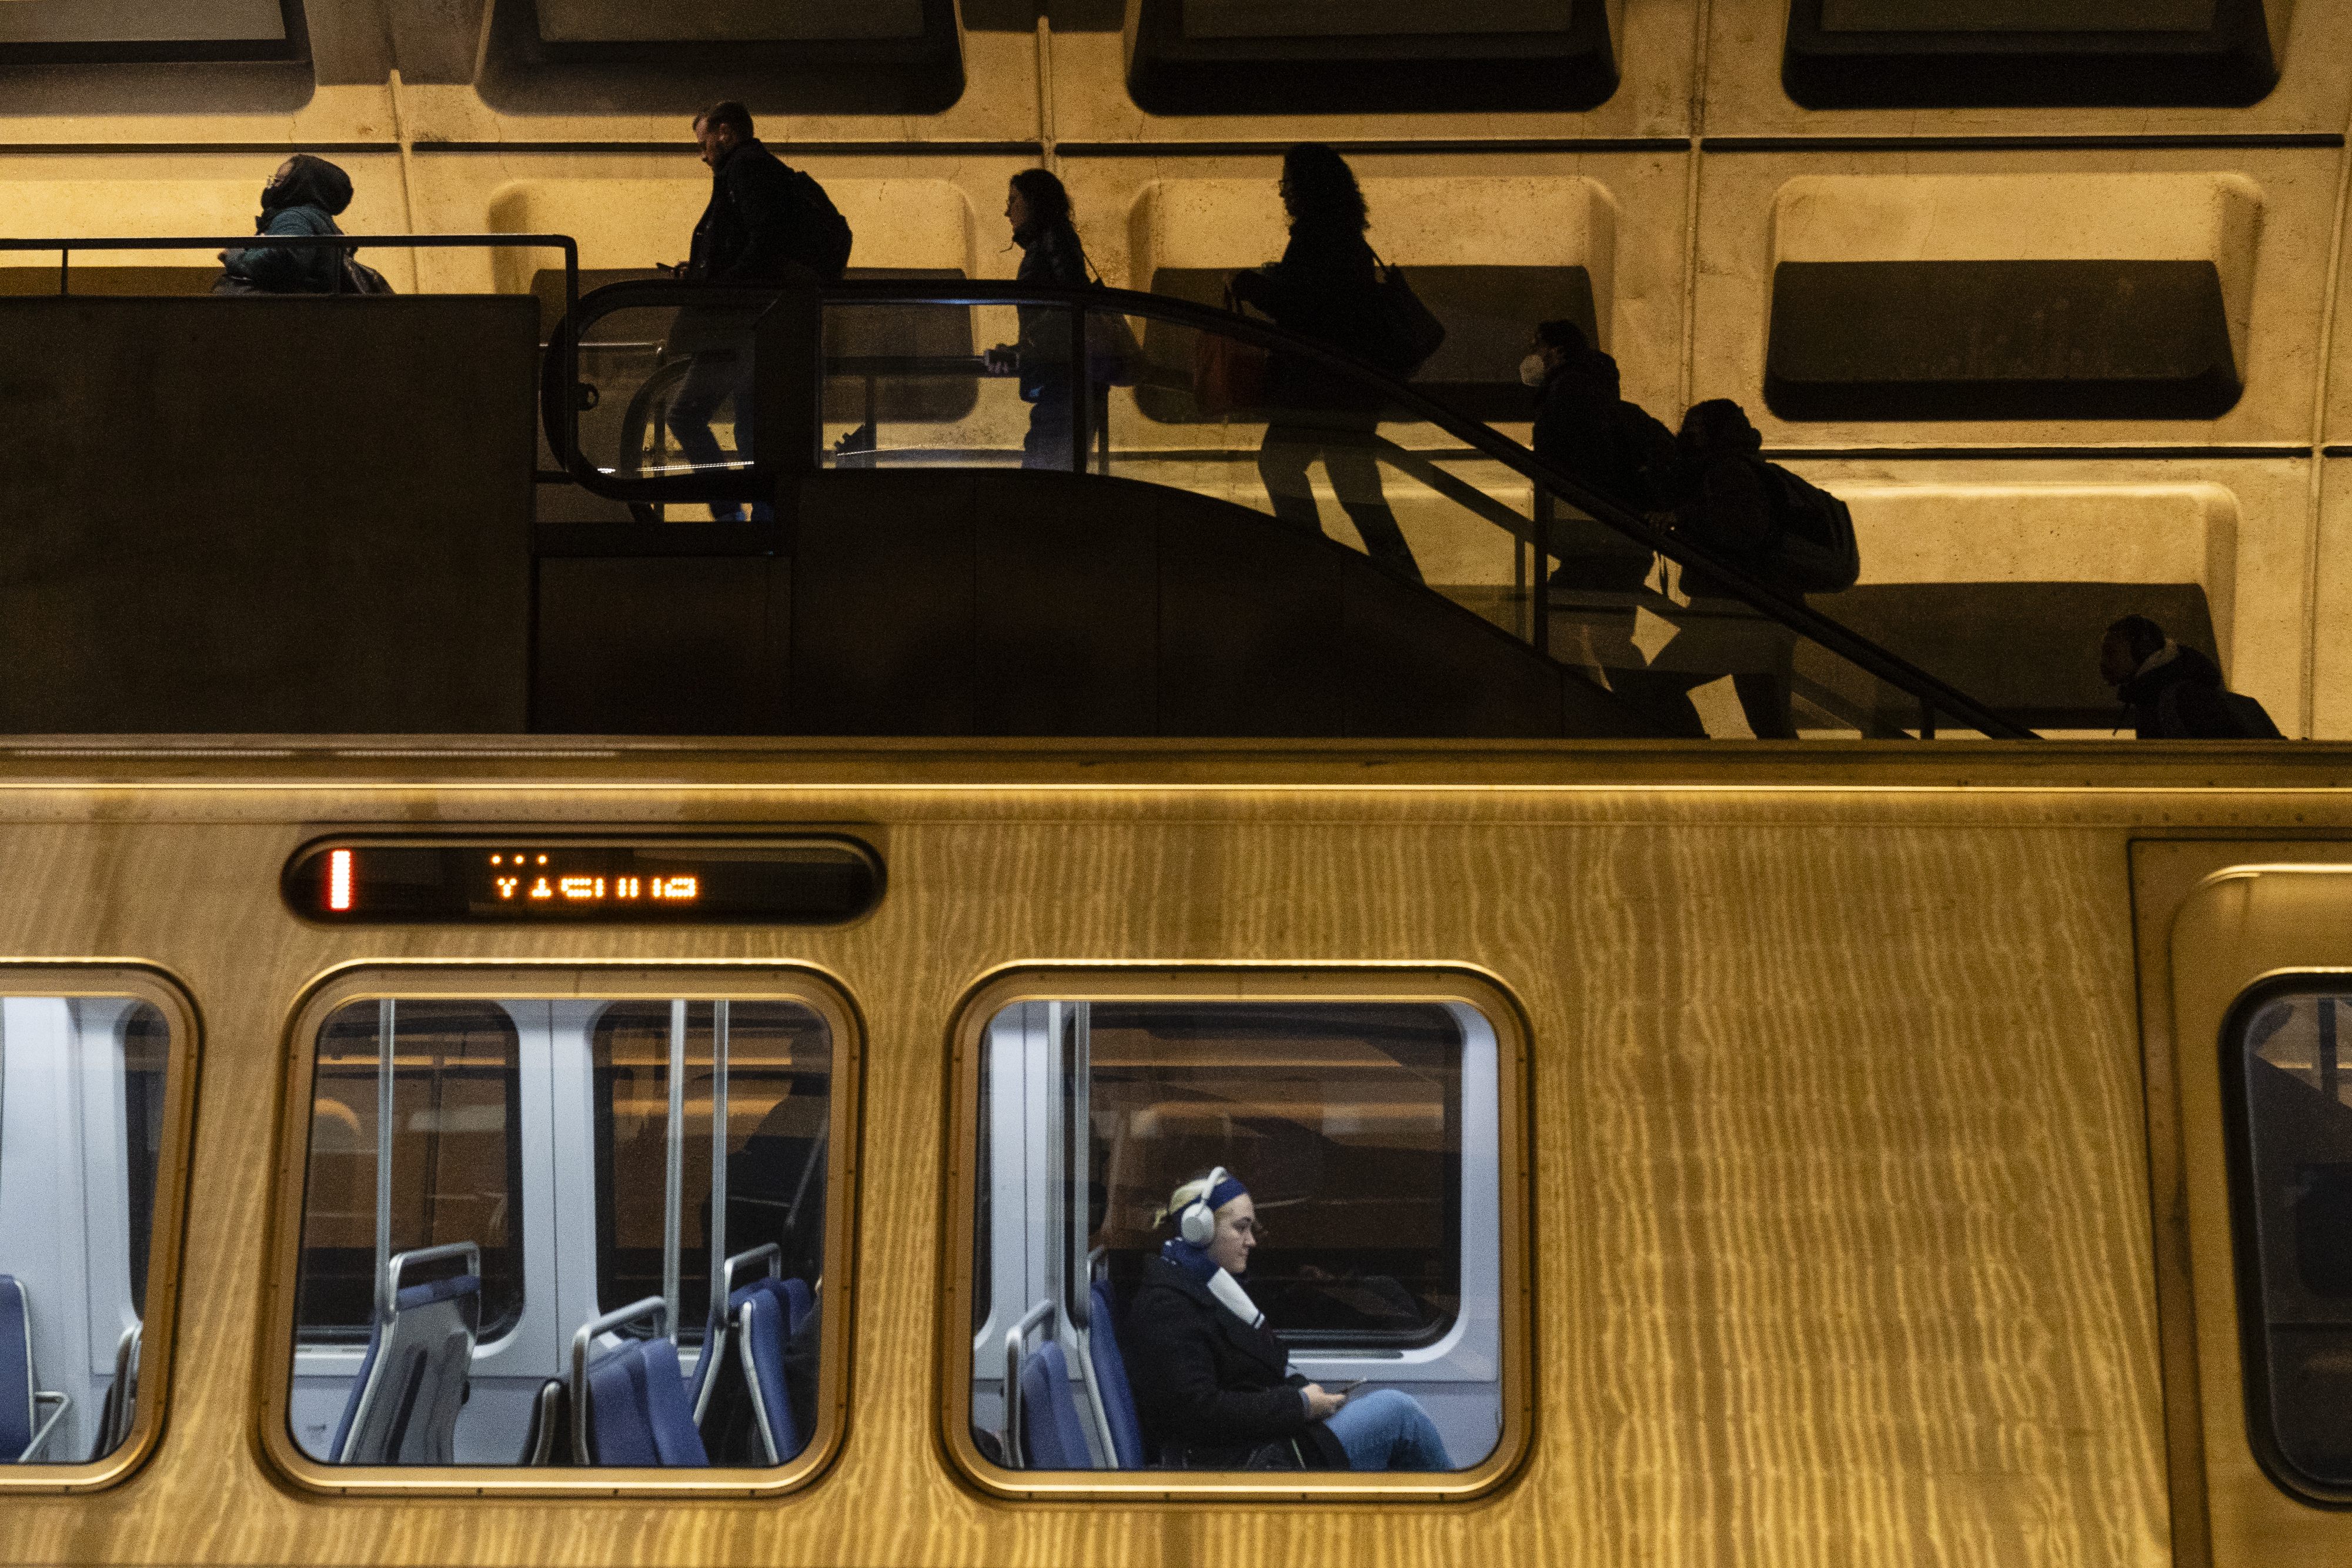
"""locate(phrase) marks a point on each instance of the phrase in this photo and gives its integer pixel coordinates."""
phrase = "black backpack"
(1648, 459)
(1791, 533)
(821, 238)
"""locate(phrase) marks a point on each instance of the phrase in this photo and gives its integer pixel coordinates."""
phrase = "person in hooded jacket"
(301, 198)
(1039, 211)
(1326, 288)
(2174, 692)
(1214, 1388)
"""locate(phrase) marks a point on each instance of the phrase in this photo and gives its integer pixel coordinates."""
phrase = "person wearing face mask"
(301, 198)
(1214, 1388)
(1584, 429)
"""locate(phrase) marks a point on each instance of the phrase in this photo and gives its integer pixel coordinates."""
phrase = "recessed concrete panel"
(640, 222)
(2260, 217)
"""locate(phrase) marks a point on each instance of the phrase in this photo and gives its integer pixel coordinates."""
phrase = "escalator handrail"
(1790, 612)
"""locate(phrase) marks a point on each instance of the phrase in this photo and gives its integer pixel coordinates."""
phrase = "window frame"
(114, 980)
(1203, 984)
(817, 989)
(2250, 1264)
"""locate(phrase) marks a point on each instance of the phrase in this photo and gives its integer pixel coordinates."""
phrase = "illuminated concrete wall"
(1678, 194)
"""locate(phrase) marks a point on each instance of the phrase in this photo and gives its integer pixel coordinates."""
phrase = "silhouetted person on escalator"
(2172, 691)
(301, 198)
(1584, 429)
(765, 224)
(1039, 211)
(1326, 288)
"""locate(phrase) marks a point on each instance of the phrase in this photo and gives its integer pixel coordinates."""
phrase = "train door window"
(2288, 1095)
(517, 1197)
(1348, 1303)
(93, 1088)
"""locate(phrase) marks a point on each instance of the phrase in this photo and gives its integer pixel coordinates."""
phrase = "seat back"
(799, 1300)
(1111, 1381)
(637, 1410)
(761, 1336)
(546, 1438)
(15, 1370)
(1052, 1438)
(121, 1406)
(402, 1407)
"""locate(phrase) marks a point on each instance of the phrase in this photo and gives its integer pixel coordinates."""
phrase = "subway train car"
(538, 1146)
(1809, 1154)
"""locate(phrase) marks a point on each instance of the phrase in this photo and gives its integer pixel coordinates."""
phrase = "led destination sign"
(532, 881)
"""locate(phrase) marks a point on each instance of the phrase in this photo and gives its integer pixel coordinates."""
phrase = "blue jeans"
(1388, 1430)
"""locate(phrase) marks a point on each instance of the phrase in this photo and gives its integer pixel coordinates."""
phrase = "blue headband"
(1225, 1191)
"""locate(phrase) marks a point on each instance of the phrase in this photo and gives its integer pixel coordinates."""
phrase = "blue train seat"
(638, 1412)
(761, 1337)
(799, 1300)
(22, 1434)
(1110, 1380)
(1053, 1437)
(404, 1404)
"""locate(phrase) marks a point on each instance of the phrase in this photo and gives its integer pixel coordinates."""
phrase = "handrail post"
(65, 261)
(1081, 395)
(1539, 580)
(787, 392)
(386, 1021)
(674, 1165)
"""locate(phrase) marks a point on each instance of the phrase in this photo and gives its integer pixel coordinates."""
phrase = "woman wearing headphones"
(1214, 1387)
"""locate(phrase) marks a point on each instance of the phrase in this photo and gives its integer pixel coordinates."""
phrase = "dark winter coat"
(1210, 1385)
(1051, 257)
(275, 269)
(2198, 709)
(1326, 288)
(748, 232)
(1584, 429)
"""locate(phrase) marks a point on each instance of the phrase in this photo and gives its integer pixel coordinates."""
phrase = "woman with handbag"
(1327, 286)
(1213, 1386)
(1039, 210)
(301, 198)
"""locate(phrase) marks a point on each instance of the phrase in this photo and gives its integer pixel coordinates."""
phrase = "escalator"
(806, 511)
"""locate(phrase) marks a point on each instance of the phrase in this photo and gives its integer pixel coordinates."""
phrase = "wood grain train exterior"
(1873, 1203)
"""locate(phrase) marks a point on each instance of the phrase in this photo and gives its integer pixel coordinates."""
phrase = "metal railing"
(1933, 696)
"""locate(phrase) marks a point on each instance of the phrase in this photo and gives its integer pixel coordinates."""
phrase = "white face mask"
(1532, 369)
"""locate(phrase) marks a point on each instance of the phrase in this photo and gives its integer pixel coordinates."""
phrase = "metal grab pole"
(677, 1163)
(385, 1018)
(718, 1160)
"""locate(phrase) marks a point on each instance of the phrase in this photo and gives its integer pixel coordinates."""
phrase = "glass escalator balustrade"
(910, 382)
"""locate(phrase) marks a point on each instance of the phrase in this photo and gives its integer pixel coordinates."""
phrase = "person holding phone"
(1214, 1387)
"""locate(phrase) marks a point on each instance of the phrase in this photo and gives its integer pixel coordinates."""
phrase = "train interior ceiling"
(2049, 304)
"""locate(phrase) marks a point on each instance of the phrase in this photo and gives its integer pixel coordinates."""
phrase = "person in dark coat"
(2173, 691)
(1326, 288)
(1214, 1388)
(750, 231)
(1039, 211)
(302, 198)
(1587, 431)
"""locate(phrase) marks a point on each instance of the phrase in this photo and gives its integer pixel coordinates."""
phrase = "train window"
(2015, 54)
(1361, 1147)
(92, 1129)
(2287, 1088)
(518, 1204)
(1292, 57)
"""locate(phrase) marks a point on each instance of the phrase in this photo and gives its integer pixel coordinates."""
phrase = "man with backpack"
(1584, 429)
(766, 223)
(2174, 692)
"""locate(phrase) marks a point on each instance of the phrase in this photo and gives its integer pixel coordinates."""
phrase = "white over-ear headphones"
(1198, 1223)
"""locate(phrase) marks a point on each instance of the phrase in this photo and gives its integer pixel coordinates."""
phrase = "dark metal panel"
(662, 645)
(1066, 600)
(884, 623)
(1420, 666)
(1250, 623)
